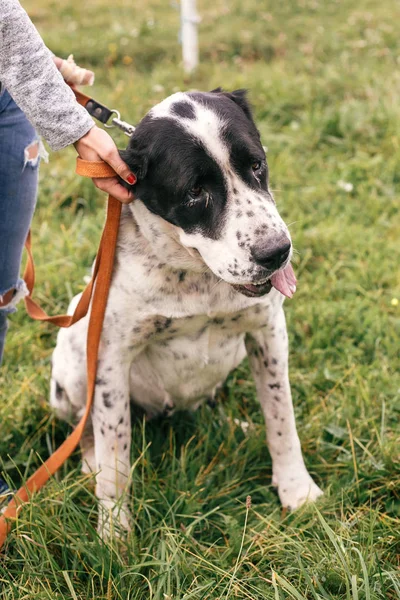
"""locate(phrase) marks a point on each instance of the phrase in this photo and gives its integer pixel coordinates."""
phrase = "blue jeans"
(18, 189)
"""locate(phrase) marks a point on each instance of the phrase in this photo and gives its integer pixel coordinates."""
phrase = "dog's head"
(200, 166)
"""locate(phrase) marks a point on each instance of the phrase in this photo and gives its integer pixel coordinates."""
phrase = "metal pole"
(190, 46)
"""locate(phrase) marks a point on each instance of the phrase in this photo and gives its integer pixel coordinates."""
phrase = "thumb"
(120, 167)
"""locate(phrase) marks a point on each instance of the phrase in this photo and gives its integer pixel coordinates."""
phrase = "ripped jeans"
(19, 164)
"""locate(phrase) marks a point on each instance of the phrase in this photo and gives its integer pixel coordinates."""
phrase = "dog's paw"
(296, 487)
(114, 520)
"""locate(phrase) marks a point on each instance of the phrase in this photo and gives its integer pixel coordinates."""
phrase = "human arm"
(28, 72)
(30, 76)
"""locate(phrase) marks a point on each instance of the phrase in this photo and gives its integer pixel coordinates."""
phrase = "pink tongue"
(285, 281)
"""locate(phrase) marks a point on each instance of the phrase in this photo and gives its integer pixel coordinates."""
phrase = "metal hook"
(127, 128)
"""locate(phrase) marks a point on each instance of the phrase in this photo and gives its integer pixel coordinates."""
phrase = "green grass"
(325, 84)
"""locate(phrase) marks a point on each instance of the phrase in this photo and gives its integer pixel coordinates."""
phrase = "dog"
(201, 271)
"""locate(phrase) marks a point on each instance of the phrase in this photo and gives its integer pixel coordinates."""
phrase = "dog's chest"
(188, 357)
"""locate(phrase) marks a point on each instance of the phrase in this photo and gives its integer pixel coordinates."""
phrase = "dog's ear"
(136, 159)
(240, 98)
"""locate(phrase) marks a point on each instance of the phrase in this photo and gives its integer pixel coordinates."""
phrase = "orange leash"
(97, 295)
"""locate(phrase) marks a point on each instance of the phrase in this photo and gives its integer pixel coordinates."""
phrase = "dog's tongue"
(285, 281)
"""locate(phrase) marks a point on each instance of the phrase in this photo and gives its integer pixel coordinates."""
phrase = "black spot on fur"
(59, 391)
(184, 110)
(218, 320)
(162, 323)
(237, 318)
(275, 386)
(106, 400)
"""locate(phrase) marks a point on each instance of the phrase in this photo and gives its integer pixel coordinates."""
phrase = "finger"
(115, 161)
(111, 186)
(115, 189)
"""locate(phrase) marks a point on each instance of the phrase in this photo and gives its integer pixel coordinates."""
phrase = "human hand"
(97, 145)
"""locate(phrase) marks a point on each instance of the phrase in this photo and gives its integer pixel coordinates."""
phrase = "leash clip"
(102, 113)
(127, 128)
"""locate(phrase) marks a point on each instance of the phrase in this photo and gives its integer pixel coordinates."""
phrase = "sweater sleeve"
(30, 76)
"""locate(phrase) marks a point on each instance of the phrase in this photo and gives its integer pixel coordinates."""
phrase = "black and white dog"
(201, 271)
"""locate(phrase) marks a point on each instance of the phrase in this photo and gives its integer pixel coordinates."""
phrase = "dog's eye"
(198, 195)
(256, 165)
(196, 192)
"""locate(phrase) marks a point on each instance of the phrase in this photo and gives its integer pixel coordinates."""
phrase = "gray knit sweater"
(30, 76)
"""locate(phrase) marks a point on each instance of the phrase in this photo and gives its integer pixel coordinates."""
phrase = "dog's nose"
(272, 254)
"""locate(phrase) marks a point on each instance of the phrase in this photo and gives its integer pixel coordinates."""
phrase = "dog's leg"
(112, 440)
(68, 389)
(267, 350)
(87, 450)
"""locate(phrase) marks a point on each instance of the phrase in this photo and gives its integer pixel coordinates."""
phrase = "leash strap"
(101, 112)
(97, 296)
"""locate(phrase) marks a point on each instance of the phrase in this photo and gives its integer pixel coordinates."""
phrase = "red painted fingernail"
(131, 179)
